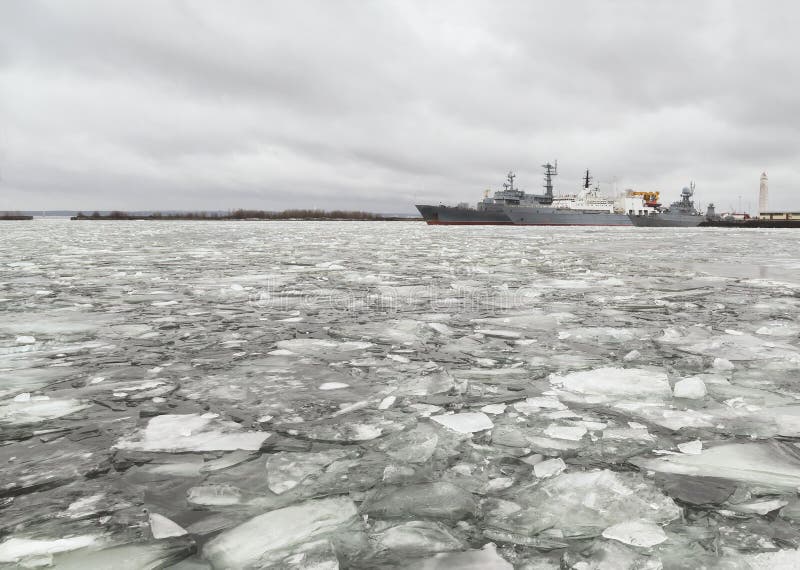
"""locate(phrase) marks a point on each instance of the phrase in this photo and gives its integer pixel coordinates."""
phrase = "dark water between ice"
(381, 395)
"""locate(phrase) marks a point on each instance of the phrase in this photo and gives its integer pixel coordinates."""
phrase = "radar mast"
(549, 171)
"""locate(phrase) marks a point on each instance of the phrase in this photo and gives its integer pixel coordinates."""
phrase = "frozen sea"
(326, 395)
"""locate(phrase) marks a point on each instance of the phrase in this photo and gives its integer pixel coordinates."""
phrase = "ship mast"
(510, 184)
(549, 171)
(587, 180)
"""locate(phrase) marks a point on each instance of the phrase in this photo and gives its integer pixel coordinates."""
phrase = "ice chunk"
(574, 433)
(484, 559)
(414, 446)
(84, 506)
(417, 537)
(607, 383)
(780, 560)
(286, 470)
(636, 434)
(741, 347)
(636, 533)
(192, 432)
(441, 328)
(316, 555)
(466, 422)
(441, 500)
(632, 355)
(762, 507)
(31, 410)
(426, 385)
(691, 447)
(582, 504)
(387, 402)
(722, 364)
(162, 527)
(333, 386)
(499, 333)
(696, 490)
(253, 542)
(154, 554)
(319, 347)
(15, 549)
(549, 467)
(25, 339)
(226, 461)
(613, 555)
(779, 329)
(498, 484)
(669, 418)
(690, 388)
(787, 420)
(214, 495)
(494, 409)
(771, 464)
(536, 404)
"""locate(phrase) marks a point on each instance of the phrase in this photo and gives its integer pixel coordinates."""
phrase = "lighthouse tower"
(763, 194)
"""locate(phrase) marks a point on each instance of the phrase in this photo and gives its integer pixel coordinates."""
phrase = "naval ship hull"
(667, 221)
(520, 216)
(450, 215)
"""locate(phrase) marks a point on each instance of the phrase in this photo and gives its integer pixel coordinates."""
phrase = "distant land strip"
(14, 216)
(316, 215)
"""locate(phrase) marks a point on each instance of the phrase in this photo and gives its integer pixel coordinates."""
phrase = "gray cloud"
(378, 104)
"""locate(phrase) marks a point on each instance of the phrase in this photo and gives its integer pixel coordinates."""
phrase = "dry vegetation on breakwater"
(297, 214)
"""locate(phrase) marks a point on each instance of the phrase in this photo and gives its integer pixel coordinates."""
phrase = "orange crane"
(650, 198)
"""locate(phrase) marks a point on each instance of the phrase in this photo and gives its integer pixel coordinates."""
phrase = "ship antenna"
(586, 179)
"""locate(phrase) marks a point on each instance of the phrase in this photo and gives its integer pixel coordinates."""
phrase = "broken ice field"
(306, 395)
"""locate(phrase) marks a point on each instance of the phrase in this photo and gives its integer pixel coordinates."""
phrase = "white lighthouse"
(763, 194)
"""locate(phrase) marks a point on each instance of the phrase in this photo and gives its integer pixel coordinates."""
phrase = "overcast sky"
(376, 105)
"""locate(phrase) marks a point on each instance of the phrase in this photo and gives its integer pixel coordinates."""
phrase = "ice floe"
(691, 388)
(17, 550)
(192, 432)
(636, 533)
(286, 469)
(602, 384)
(266, 537)
(162, 527)
(27, 409)
(770, 464)
(465, 422)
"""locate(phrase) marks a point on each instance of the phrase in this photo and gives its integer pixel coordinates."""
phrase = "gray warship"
(680, 213)
(512, 206)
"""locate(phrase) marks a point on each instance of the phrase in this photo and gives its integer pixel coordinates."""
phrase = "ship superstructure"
(587, 199)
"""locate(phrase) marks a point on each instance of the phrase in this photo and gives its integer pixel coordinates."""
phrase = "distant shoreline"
(14, 217)
(250, 215)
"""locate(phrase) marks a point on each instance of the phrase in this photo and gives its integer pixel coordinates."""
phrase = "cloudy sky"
(376, 105)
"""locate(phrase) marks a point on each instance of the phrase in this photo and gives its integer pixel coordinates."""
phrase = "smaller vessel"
(681, 213)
